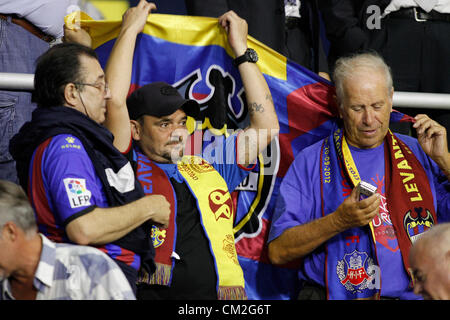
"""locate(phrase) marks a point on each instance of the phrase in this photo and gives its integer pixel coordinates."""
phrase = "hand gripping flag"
(193, 54)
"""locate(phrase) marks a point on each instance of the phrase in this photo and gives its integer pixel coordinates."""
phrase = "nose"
(176, 135)
(368, 116)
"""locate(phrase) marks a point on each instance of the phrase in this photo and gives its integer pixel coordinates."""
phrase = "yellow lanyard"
(352, 171)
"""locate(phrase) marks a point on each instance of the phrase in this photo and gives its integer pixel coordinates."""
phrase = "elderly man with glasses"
(81, 187)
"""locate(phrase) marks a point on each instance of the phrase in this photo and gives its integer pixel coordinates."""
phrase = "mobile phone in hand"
(365, 189)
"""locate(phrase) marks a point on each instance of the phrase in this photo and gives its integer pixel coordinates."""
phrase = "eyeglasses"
(103, 86)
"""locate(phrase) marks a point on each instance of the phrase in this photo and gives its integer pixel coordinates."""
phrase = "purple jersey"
(371, 170)
(63, 187)
(299, 202)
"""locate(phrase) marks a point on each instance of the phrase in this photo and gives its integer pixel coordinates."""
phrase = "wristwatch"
(249, 55)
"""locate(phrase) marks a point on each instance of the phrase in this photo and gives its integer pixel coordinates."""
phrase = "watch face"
(253, 56)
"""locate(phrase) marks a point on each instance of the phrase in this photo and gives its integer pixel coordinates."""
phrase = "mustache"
(175, 140)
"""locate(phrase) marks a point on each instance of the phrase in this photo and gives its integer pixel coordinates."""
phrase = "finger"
(225, 16)
(434, 131)
(430, 128)
(369, 202)
(424, 125)
(149, 6)
(420, 118)
(355, 194)
(223, 22)
(141, 3)
(233, 14)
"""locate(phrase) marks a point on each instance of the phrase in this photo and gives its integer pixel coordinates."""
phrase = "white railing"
(16, 81)
(422, 100)
(23, 81)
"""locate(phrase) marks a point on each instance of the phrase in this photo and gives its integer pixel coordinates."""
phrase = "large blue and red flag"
(192, 53)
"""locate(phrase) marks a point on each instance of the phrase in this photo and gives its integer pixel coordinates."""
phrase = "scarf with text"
(352, 268)
(216, 208)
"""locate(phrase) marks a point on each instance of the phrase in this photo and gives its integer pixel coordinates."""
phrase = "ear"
(135, 130)
(10, 231)
(391, 96)
(71, 95)
(338, 104)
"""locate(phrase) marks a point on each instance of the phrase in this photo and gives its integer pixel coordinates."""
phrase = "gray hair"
(14, 206)
(345, 67)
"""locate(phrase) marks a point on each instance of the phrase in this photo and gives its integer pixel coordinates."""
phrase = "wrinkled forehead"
(365, 81)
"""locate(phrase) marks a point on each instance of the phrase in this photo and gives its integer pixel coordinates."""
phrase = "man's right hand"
(135, 18)
(158, 209)
(356, 213)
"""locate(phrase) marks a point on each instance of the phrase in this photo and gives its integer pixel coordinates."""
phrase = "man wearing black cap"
(152, 109)
(195, 256)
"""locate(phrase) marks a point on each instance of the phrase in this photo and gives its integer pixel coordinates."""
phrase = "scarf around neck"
(216, 210)
(351, 265)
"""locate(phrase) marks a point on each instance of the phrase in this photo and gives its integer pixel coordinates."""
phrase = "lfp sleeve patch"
(78, 194)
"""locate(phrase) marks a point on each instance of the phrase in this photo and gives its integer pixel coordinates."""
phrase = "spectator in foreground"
(32, 267)
(430, 263)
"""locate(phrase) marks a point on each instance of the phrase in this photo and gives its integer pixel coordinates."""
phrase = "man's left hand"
(433, 140)
(237, 30)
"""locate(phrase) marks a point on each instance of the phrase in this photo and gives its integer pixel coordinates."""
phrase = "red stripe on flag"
(308, 107)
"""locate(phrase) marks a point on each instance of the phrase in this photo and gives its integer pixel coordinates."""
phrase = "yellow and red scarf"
(217, 213)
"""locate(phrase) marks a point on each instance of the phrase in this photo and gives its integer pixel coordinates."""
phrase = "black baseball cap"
(159, 99)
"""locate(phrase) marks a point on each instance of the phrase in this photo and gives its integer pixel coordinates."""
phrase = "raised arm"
(263, 119)
(118, 73)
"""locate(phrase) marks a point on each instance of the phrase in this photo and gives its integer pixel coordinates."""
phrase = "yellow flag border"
(185, 30)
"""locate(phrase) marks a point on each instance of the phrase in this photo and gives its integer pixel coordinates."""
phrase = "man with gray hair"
(352, 204)
(34, 268)
(430, 263)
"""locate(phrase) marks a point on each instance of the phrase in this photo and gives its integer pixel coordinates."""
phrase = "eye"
(183, 122)
(164, 125)
(378, 106)
(356, 108)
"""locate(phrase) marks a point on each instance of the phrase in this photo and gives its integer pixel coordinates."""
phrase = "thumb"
(355, 195)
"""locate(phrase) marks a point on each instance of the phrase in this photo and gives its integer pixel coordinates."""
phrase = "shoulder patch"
(77, 192)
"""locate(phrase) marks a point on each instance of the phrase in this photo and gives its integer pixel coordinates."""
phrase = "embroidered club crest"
(158, 236)
(353, 273)
(416, 226)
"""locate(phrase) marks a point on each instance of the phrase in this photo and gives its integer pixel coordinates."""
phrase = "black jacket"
(266, 22)
(346, 24)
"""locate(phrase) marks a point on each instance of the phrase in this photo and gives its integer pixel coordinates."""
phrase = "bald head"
(429, 259)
